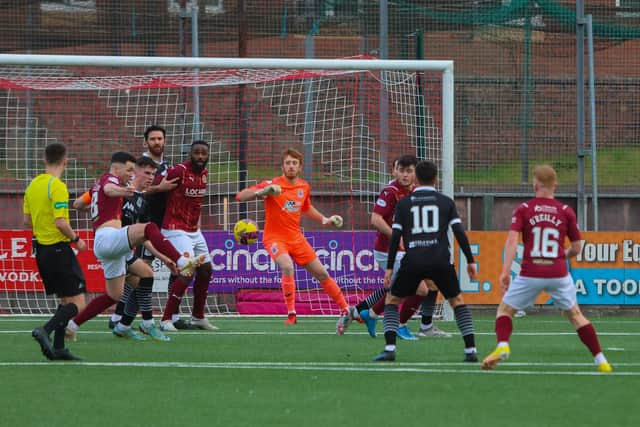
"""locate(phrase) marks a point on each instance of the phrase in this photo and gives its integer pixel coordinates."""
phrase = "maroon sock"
(378, 307)
(504, 328)
(174, 298)
(409, 307)
(95, 307)
(588, 336)
(200, 291)
(152, 233)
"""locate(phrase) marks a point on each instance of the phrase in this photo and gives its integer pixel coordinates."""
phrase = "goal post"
(249, 109)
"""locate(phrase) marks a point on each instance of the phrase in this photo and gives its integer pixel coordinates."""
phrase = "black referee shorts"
(60, 270)
(411, 273)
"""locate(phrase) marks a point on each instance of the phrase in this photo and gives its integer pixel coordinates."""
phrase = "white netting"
(248, 116)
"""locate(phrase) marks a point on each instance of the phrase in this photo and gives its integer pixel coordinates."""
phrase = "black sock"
(120, 308)
(391, 323)
(126, 320)
(465, 325)
(58, 339)
(63, 314)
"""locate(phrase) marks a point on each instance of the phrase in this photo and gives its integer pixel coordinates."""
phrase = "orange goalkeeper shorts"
(298, 249)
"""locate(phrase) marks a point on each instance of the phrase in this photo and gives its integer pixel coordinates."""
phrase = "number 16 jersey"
(545, 224)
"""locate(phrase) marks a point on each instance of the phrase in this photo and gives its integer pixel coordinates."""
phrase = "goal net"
(349, 117)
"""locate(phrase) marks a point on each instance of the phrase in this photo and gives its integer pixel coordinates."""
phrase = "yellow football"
(246, 231)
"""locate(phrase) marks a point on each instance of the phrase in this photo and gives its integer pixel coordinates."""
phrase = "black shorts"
(59, 269)
(411, 273)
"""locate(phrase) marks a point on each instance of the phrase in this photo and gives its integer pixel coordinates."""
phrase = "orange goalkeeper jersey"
(282, 213)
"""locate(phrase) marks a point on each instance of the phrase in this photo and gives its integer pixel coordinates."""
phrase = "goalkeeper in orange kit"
(285, 199)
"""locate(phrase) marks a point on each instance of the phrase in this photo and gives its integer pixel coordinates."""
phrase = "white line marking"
(314, 367)
(535, 334)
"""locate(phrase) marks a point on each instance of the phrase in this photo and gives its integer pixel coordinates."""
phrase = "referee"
(46, 212)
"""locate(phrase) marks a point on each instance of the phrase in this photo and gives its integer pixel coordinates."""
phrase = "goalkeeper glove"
(335, 220)
(269, 190)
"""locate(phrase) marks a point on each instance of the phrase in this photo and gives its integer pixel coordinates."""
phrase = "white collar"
(425, 187)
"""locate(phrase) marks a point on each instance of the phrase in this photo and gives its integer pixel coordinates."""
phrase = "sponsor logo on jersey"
(290, 206)
(382, 203)
(195, 192)
(545, 208)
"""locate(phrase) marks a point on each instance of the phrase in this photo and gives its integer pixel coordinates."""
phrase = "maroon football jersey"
(385, 207)
(103, 207)
(544, 224)
(184, 203)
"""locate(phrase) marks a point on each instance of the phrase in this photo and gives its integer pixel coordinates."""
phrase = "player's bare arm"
(26, 221)
(65, 228)
(113, 190)
(574, 249)
(163, 186)
(378, 222)
(82, 203)
(510, 247)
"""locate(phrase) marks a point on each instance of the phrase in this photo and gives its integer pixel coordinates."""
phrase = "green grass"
(615, 167)
(258, 372)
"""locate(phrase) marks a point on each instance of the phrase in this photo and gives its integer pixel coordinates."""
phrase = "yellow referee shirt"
(46, 199)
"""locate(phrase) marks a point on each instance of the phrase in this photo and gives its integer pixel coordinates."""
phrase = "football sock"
(58, 338)
(391, 323)
(378, 307)
(61, 317)
(504, 328)
(333, 290)
(131, 306)
(175, 297)
(427, 308)
(464, 321)
(200, 290)
(176, 314)
(126, 320)
(153, 234)
(409, 307)
(289, 293)
(117, 315)
(63, 314)
(370, 300)
(588, 336)
(95, 307)
(144, 293)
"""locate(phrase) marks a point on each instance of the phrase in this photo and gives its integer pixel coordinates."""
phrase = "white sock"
(373, 314)
(73, 325)
(175, 318)
(115, 317)
(147, 322)
(470, 350)
(503, 344)
(389, 348)
(599, 358)
(426, 327)
(122, 327)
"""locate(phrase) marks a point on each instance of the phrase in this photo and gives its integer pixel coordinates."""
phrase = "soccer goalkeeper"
(285, 199)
